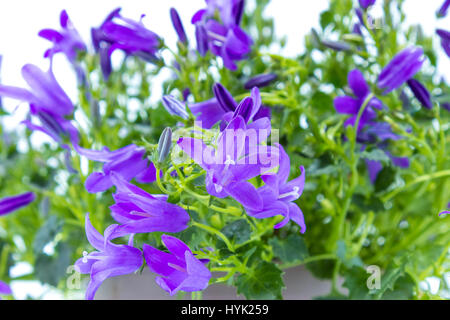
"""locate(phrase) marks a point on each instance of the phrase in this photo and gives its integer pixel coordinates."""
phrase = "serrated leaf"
(264, 282)
(46, 233)
(51, 269)
(238, 231)
(291, 249)
(376, 155)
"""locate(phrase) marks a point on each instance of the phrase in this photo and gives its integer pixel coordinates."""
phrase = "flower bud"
(261, 80)
(178, 25)
(420, 92)
(164, 144)
(175, 107)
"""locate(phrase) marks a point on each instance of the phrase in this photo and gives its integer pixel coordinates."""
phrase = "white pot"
(299, 282)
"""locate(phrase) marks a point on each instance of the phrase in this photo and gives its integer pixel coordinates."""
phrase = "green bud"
(164, 144)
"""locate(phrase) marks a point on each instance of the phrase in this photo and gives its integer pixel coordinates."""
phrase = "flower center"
(292, 193)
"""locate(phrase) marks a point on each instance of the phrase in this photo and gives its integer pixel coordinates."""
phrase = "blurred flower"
(278, 194)
(442, 12)
(10, 204)
(366, 3)
(140, 212)
(179, 269)
(446, 212)
(232, 162)
(225, 39)
(178, 25)
(352, 105)
(110, 260)
(260, 80)
(118, 32)
(4, 289)
(48, 102)
(67, 40)
(401, 68)
(420, 92)
(445, 40)
(127, 162)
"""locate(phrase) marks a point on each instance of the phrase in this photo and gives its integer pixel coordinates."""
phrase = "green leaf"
(385, 178)
(238, 231)
(291, 249)
(46, 233)
(264, 282)
(376, 155)
(51, 269)
(326, 18)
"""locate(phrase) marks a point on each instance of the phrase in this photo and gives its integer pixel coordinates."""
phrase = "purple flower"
(127, 162)
(237, 158)
(66, 40)
(445, 40)
(224, 107)
(420, 92)
(140, 212)
(179, 269)
(178, 25)
(110, 260)
(48, 102)
(175, 107)
(279, 195)
(443, 9)
(118, 32)
(4, 289)
(366, 3)
(10, 204)
(401, 68)
(352, 105)
(225, 39)
(261, 80)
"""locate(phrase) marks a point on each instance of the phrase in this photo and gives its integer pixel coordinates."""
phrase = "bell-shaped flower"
(179, 269)
(278, 194)
(225, 39)
(127, 162)
(110, 260)
(118, 32)
(67, 40)
(352, 105)
(48, 103)
(140, 212)
(10, 204)
(236, 158)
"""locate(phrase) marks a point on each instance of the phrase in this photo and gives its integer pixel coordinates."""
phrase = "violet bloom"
(10, 204)
(366, 3)
(352, 105)
(445, 40)
(279, 195)
(110, 260)
(225, 39)
(402, 67)
(179, 269)
(118, 32)
(4, 289)
(443, 9)
(421, 93)
(67, 40)
(127, 162)
(175, 107)
(140, 212)
(236, 160)
(48, 102)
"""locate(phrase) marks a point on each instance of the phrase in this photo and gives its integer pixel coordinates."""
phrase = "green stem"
(215, 232)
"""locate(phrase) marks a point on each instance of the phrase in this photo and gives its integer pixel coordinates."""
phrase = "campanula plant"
(224, 161)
